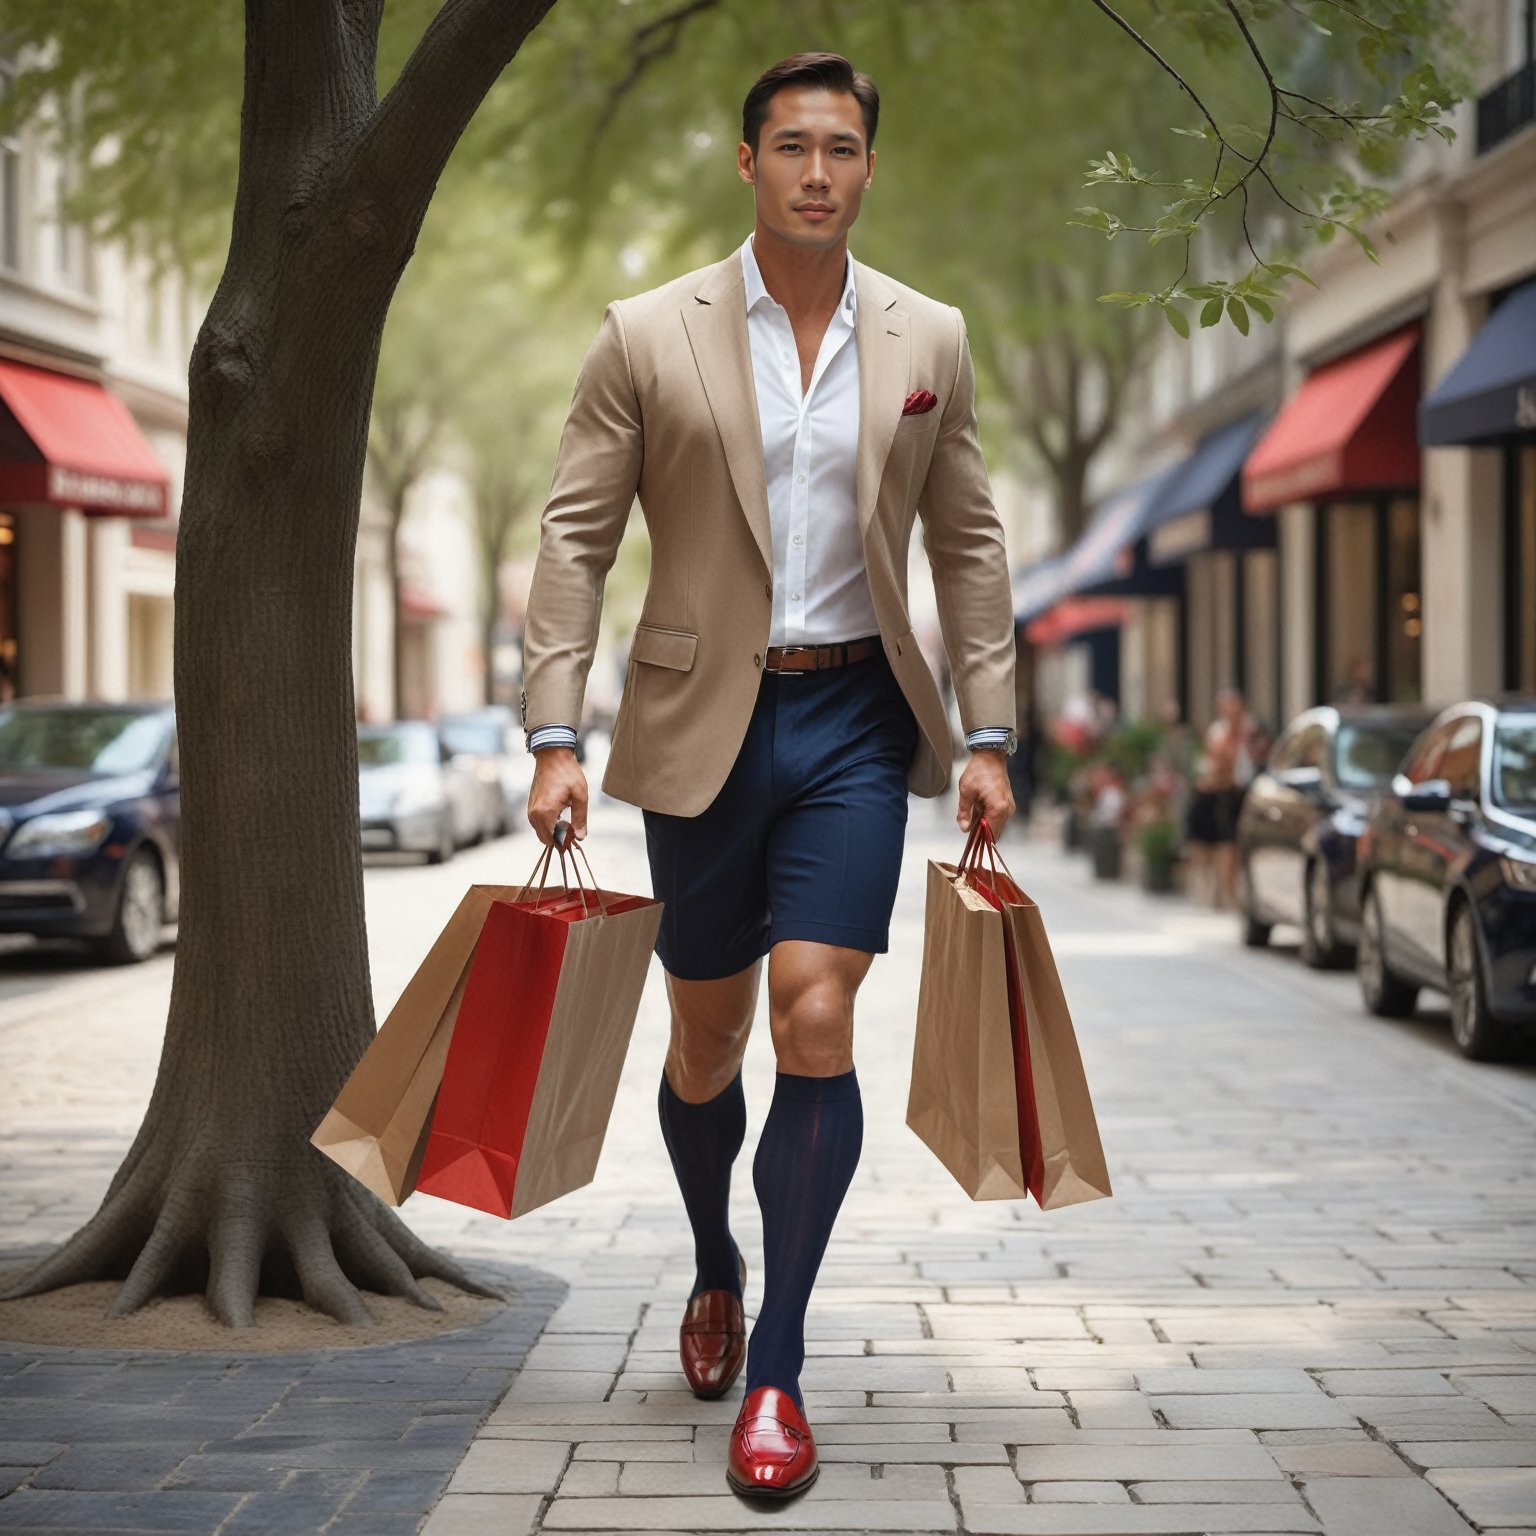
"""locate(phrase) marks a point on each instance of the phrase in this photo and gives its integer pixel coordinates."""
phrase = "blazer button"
(757, 661)
(768, 591)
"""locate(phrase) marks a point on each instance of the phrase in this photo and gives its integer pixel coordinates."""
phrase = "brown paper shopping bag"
(962, 1102)
(378, 1126)
(1030, 1124)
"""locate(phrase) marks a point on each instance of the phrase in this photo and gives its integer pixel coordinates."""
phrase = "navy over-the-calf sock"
(804, 1163)
(702, 1141)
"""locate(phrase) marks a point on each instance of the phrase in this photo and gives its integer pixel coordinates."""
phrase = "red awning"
(1076, 616)
(1349, 428)
(66, 442)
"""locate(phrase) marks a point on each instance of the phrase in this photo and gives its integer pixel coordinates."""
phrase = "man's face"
(811, 167)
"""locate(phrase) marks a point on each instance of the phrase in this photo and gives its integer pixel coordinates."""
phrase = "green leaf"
(1239, 313)
(1264, 311)
(1363, 241)
(1192, 133)
(1288, 271)
(1211, 313)
(1177, 319)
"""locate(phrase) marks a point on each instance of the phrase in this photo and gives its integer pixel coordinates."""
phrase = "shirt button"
(795, 596)
(798, 539)
(800, 479)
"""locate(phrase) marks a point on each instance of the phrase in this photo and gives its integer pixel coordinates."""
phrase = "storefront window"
(1404, 603)
(1351, 614)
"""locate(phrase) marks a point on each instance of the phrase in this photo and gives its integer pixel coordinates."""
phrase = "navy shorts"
(804, 839)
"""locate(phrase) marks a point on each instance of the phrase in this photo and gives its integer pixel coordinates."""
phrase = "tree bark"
(271, 1003)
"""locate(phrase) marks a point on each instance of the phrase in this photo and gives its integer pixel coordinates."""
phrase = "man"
(783, 415)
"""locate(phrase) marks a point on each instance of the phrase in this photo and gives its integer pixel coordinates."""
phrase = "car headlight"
(1519, 873)
(59, 832)
(412, 802)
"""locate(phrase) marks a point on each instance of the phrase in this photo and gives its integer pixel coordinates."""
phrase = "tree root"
(237, 1231)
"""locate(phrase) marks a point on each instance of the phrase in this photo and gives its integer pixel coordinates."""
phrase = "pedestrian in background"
(1221, 779)
(785, 416)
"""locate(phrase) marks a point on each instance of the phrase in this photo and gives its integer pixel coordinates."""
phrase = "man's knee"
(711, 1021)
(811, 1013)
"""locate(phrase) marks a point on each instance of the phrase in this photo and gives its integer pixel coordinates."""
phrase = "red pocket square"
(919, 401)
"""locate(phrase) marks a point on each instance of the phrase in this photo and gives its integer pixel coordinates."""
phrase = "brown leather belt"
(815, 658)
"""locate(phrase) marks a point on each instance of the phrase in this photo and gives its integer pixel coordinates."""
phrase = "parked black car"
(1302, 816)
(90, 824)
(1448, 866)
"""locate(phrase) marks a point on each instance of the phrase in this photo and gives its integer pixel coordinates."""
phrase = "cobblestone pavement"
(1309, 1306)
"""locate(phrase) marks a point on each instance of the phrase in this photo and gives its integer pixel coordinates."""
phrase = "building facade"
(1373, 541)
(94, 347)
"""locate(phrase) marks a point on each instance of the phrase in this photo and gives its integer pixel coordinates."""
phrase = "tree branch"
(460, 56)
(652, 42)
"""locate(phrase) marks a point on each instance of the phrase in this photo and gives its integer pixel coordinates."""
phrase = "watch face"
(1012, 744)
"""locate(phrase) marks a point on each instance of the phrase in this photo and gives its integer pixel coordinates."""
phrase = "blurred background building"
(1341, 506)
(94, 346)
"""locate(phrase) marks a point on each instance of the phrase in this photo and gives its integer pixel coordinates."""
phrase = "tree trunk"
(271, 1002)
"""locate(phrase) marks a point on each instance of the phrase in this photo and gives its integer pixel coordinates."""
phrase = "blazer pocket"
(663, 647)
(910, 426)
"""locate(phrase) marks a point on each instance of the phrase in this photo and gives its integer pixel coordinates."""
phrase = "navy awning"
(1200, 506)
(1109, 558)
(1490, 393)
(1036, 587)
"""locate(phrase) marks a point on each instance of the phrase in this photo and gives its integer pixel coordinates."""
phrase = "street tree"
(321, 191)
(270, 1004)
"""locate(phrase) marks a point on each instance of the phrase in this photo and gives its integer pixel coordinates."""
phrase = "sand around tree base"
(76, 1316)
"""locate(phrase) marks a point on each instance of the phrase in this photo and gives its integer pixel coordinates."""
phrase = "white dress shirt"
(810, 446)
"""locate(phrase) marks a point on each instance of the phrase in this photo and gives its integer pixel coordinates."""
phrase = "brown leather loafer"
(773, 1453)
(713, 1340)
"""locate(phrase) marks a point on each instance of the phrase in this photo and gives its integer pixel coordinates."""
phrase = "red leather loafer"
(713, 1340)
(773, 1454)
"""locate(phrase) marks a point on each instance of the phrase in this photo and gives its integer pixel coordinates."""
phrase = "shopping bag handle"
(981, 841)
(557, 845)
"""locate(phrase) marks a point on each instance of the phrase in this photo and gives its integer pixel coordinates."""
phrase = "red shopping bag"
(539, 1043)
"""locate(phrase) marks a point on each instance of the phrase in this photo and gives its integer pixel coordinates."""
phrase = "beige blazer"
(665, 407)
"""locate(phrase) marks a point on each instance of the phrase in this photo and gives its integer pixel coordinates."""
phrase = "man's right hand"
(558, 785)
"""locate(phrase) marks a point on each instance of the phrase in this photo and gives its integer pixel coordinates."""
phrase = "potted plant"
(1104, 845)
(1159, 841)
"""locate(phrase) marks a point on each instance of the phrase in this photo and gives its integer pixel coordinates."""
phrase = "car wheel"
(140, 916)
(1255, 933)
(1386, 994)
(1319, 945)
(446, 847)
(1476, 1032)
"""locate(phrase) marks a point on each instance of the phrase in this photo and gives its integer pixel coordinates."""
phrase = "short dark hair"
(830, 71)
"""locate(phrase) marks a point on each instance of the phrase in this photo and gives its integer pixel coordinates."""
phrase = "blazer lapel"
(885, 347)
(716, 321)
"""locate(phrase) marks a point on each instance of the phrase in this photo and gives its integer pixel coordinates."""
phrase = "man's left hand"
(985, 791)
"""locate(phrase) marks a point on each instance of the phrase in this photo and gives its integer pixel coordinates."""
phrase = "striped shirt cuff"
(551, 736)
(987, 738)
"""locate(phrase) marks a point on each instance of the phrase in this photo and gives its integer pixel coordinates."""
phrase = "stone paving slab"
(351, 1440)
(1313, 1287)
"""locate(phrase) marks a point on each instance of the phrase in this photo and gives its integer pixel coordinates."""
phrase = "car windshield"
(1365, 756)
(399, 744)
(1514, 763)
(483, 736)
(105, 741)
